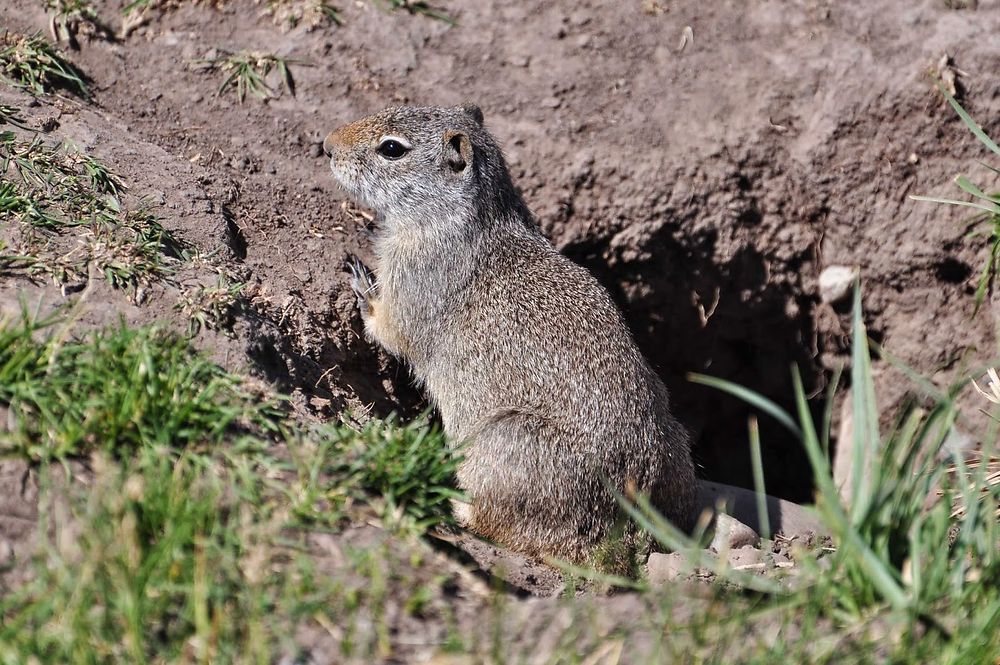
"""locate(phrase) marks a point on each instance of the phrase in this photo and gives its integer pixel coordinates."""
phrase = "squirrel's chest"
(384, 327)
(405, 328)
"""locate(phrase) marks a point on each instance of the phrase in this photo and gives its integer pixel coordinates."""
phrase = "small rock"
(835, 283)
(551, 103)
(731, 534)
(6, 553)
(781, 560)
(745, 557)
(665, 568)
(316, 149)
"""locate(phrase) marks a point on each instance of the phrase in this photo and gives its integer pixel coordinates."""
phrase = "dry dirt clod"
(663, 568)
(949, 75)
(746, 558)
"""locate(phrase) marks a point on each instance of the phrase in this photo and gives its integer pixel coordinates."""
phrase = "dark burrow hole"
(741, 327)
(952, 271)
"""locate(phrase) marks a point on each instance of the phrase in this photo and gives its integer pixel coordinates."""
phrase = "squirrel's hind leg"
(529, 491)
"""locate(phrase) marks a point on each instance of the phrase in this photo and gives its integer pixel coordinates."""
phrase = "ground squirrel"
(524, 354)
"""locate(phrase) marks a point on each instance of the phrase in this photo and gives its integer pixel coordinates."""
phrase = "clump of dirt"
(706, 181)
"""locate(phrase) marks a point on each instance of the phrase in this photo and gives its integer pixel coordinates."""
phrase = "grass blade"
(835, 518)
(865, 416)
(969, 122)
(969, 187)
(758, 479)
(992, 208)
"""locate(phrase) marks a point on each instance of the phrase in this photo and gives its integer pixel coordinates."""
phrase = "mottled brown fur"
(523, 353)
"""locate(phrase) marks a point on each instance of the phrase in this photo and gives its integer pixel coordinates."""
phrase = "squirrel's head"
(421, 165)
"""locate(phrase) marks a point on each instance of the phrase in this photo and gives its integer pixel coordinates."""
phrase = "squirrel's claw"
(362, 283)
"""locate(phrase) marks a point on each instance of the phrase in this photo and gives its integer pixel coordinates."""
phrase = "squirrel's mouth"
(346, 180)
(348, 183)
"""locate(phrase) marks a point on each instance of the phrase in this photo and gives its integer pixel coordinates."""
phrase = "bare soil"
(706, 184)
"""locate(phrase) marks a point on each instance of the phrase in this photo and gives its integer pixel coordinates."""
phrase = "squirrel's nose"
(328, 145)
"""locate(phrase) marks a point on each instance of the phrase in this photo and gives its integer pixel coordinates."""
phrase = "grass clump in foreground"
(35, 65)
(158, 564)
(52, 191)
(116, 391)
(907, 565)
(409, 468)
(187, 542)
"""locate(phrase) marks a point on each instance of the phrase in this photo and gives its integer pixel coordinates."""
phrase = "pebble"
(835, 283)
(731, 534)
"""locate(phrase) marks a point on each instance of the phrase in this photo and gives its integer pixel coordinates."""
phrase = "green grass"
(987, 206)
(188, 541)
(930, 571)
(410, 468)
(174, 557)
(53, 192)
(157, 564)
(33, 64)
(116, 391)
(11, 115)
(247, 73)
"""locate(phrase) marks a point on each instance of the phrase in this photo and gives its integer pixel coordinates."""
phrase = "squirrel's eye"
(391, 149)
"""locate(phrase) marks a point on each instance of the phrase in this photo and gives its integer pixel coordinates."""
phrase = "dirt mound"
(706, 183)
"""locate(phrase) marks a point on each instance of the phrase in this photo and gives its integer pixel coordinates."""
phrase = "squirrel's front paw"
(363, 284)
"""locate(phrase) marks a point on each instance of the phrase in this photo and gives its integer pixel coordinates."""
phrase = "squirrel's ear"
(474, 112)
(457, 150)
